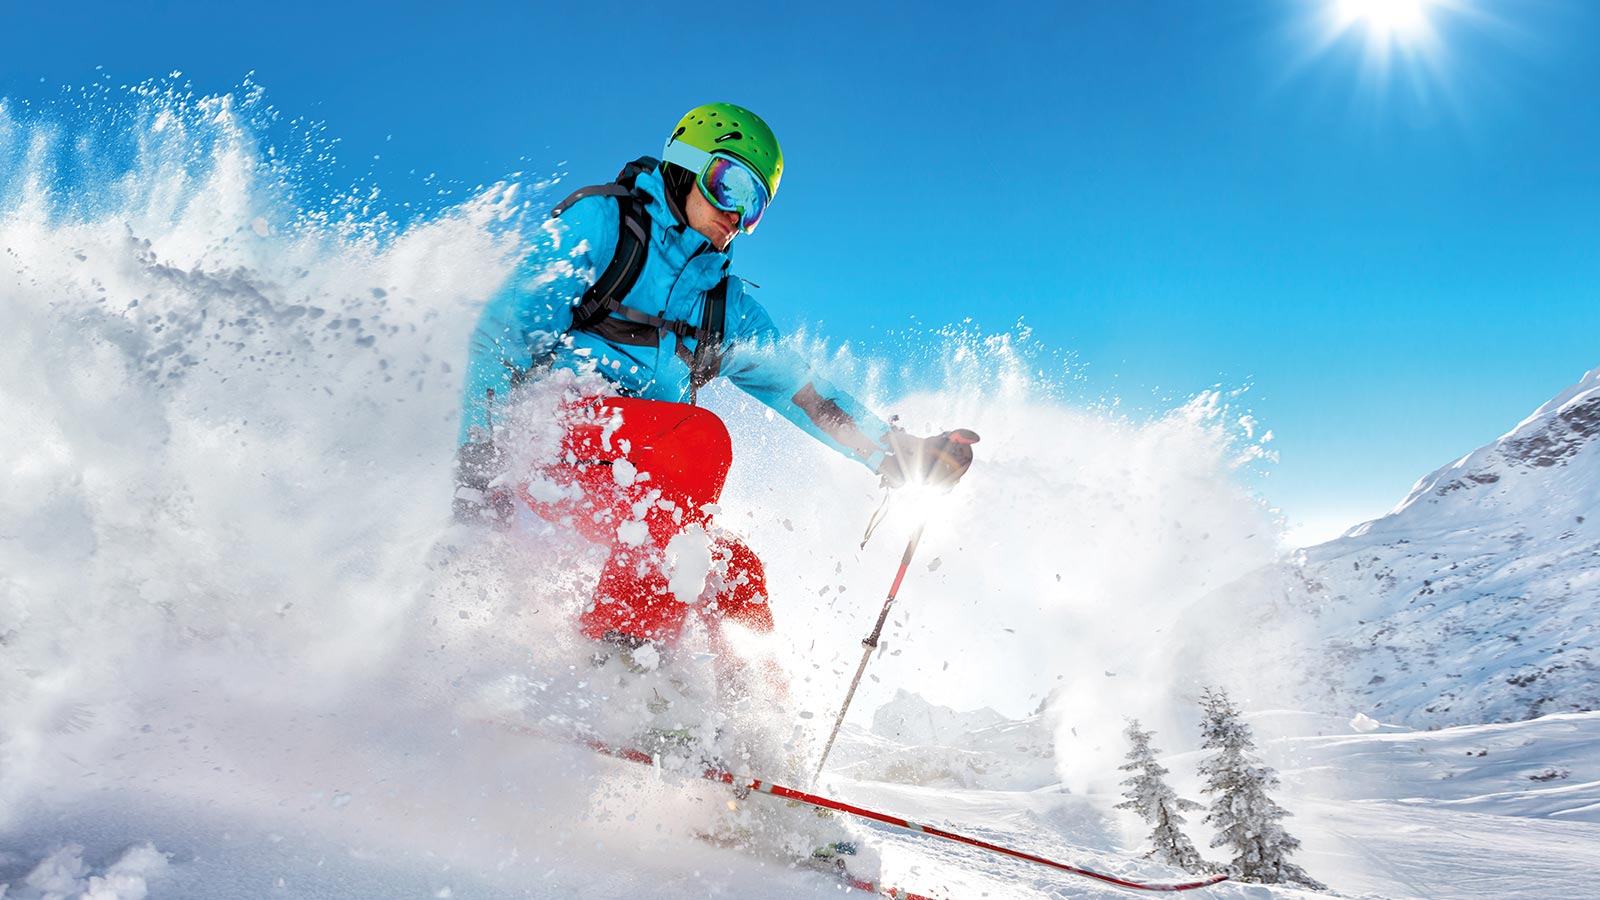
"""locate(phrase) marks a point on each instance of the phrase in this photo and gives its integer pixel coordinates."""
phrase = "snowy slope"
(1490, 812)
(1477, 599)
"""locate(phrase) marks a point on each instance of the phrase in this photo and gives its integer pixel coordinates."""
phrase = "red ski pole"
(939, 461)
(869, 643)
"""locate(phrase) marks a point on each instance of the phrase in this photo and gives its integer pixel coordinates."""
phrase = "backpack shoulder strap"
(627, 261)
(633, 243)
(622, 187)
(593, 190)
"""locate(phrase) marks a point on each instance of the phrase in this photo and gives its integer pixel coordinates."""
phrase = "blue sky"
(1178, 194)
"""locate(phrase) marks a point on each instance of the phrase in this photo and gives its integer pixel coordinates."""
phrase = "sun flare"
(1400, 41)
(1385, 20)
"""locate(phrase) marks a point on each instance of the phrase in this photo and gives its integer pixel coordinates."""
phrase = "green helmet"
(736, 131)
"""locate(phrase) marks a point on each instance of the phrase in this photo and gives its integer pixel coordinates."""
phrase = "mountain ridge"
(1475, 600)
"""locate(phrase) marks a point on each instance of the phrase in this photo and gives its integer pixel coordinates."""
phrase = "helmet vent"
(730, 136)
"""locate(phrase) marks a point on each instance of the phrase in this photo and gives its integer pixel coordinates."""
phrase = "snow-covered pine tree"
(1156, 803)
(1246, 819)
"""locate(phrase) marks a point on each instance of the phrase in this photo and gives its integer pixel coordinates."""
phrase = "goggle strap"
(690, 157)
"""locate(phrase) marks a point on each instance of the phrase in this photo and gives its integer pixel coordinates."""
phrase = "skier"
(632, 280)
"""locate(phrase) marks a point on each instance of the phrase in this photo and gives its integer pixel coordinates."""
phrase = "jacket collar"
(664, 210)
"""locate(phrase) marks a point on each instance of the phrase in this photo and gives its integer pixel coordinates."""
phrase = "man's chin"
(717, 239)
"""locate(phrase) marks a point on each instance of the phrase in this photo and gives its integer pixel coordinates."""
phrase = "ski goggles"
(726, 182)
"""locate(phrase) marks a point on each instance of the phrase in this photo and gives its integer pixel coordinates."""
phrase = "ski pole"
(869, 644)
(715, 773)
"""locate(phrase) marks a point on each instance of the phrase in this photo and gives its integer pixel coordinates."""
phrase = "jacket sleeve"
(763, 367)
(532, 310)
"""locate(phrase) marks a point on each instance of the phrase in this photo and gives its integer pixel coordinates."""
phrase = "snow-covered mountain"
(913, 741)
(1477, 599)
(1542, 472)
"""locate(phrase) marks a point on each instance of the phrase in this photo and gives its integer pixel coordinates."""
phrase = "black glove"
(477, 464)
(937, 461)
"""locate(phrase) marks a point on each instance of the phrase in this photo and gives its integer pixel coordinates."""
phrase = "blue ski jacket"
(526, 323)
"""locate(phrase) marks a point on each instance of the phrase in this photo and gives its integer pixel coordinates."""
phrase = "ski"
(634, 755)
(870, 888)
(714, 773)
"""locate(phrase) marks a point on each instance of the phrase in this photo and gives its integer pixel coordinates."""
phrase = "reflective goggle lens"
(731, 186)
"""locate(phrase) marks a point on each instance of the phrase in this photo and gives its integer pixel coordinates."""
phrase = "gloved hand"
(937, 461)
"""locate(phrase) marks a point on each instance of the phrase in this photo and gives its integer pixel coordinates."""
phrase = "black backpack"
(604, 297)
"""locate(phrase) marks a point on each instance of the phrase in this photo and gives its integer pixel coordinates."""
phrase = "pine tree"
(1156, 803)
(1246, 819)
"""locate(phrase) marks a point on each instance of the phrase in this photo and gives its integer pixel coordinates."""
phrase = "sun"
(1405, 60)
(1398, 39)
(1386, 21)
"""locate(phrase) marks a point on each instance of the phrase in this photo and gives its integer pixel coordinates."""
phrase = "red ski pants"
(636, 474)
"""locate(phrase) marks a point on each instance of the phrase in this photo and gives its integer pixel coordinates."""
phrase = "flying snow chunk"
(64, 874)
(633, 532)
(127, 879)
(1364, 723)
(545, 491)
(624, 472)
(61, 872)
(690, 552)
(259, 226)
(647, 657)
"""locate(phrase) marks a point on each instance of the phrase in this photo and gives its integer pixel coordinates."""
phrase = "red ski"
(712, 773)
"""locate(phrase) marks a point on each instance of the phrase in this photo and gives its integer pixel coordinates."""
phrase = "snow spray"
(226, 564)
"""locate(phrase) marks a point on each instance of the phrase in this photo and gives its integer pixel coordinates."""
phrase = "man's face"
(719, 226)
